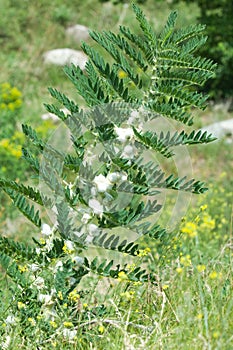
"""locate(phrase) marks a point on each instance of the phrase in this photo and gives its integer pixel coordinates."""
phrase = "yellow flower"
(185, 260)
(53, 324)
(201, 268)
(59, 295)
(128, 295)
(21, 305)
(5, 86)
(101, 329)
(5, 143)
(190, 229)
(32, 321)
(143, 252)
(122, 74)
(179, 270)
(203, 207)
(165, 286)
(138, 283)
(213, 275)
(74, 296)
(22, 268)
(68, 324)
(15, 93)
(85, 305)
(42, 241)
(199, 316)
(130, 266)
(216, 335)
(3, 105)
(67, 249)
(122, 276)
(16, 153)
(208, 222)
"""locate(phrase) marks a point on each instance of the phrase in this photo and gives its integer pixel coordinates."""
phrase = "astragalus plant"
(101, 189)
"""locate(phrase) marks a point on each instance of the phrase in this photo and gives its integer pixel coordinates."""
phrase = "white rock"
(78, 32)
(61, 57)
(221, 129)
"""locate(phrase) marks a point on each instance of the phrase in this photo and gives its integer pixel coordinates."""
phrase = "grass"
(191, 306)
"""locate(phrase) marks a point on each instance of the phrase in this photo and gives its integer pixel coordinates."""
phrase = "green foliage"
(96, 203)
(217, 16)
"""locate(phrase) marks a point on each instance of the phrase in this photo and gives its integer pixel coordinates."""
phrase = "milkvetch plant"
(104, 189)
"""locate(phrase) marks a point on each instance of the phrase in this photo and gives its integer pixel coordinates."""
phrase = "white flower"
(128, 152)
(86, 217)
(46, 230)
(10, 319)
(39, 282)
(6, 344)
(93, 229)
(123, 177)
(96, 206)
(102, 183)
(114, 177)
(89, 239)
(58, 266)
(134, 115)
(68, 333)
(34, 267)
(69, 245)
(93, 192)
(44, 298)
(124, 134)
(78, 260)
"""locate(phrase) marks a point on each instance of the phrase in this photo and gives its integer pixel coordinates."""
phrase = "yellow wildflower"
(53, 324)
(203, 207)
(23, 268)
(21, 305)
(199, 316)
(122, 276)
(74, 296)
(122, 74)
(216, 335)
(143, 252)
(101, 329)
(32, 321)
(138, 283)
(165, 286)
(16, 153)
(68, 324)
(201, 268)
(128, 295)
(190, 229)
(208, 222)
(42, 241)
(179, 270)
(59, 295)
(185, 260)
(213, 275)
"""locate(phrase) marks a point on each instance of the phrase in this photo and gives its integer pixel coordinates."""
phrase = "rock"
(61, 57)
(221, 130)
(78, 32)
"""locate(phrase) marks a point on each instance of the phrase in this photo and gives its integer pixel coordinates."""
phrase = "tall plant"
(105, 188)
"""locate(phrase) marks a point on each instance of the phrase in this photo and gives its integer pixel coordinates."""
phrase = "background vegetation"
(191, 307)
